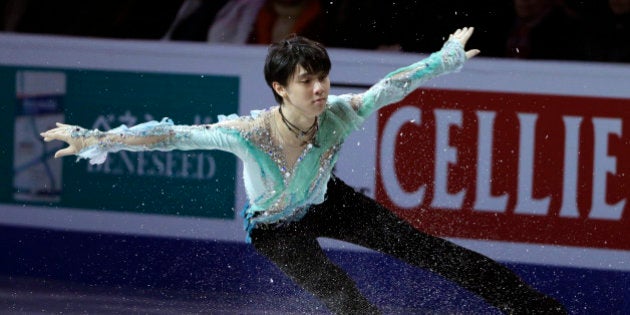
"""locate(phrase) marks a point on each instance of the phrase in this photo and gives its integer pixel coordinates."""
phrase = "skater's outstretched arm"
(79, 138)
(398, 84)
(163, 136)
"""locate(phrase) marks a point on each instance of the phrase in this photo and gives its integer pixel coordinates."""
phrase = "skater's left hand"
(462, 35)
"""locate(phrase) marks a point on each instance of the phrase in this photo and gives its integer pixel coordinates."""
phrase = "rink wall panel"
(524, 161)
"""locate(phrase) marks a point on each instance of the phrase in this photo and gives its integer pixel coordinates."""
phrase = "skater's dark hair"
(284, 57)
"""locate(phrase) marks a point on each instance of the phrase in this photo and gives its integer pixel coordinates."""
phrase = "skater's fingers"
(62, 132)
(64, 152)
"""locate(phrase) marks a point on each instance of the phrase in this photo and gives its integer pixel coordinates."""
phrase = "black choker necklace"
(299, 133)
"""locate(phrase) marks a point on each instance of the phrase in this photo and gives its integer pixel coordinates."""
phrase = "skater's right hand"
(74, 136)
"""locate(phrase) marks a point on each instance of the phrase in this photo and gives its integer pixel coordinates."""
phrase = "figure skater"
(288, 153)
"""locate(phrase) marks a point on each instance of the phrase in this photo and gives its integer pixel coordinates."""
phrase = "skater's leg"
(302, 259)
(364, 222)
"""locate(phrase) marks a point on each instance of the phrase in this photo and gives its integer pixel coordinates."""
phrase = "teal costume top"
(278, 193)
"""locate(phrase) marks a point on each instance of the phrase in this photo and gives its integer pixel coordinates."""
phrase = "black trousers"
(352, 217)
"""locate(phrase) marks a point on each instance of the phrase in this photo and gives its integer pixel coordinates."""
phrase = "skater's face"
(306, 92)
(287, 60)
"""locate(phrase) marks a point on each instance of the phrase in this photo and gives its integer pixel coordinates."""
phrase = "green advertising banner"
(187, 183)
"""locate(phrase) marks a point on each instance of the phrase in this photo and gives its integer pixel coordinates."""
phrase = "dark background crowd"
(589, 30)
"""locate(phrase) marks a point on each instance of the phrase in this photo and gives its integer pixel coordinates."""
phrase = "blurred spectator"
(193, 20)
(347, 23)
(420, 26)
(533, 29)
(95, 18)
(609, 32)
(544, 29)
(279, 18)
(355, 23)
(11, 11)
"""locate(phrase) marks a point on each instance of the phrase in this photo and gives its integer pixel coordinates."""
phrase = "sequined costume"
(279, 192)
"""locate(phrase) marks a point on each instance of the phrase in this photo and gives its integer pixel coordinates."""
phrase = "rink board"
(522, 161)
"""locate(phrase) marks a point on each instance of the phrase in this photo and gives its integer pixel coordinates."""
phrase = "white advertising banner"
(524, 161)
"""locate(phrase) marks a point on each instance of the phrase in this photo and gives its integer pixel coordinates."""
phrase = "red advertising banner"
(530, 168)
